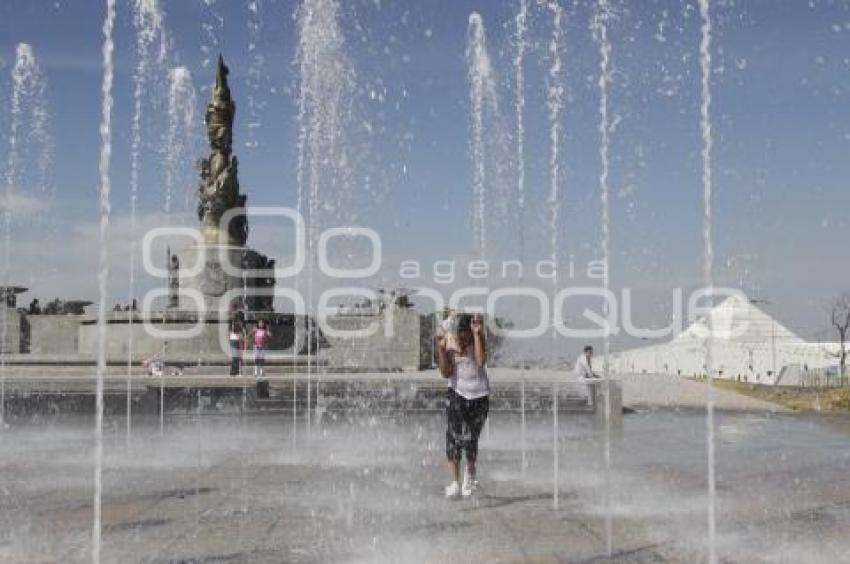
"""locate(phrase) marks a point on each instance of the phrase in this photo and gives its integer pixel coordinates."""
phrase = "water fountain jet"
(325, 91)
(180, 137)
(28, 115)
(600, 33)
(554, 103)
(519, 85)
(103, 271)
(482, 96)
(708, 259)
(147, 20)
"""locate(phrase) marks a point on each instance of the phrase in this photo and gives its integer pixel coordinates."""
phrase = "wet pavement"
(361, 488)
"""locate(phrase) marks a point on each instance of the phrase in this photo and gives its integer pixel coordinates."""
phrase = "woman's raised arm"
(479, 346)
(443, 359)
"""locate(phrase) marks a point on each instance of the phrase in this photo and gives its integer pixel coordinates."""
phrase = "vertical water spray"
(198, 464)
(521, 21)
(147, 20)
(483, 98)
(482, 90)
(306, 59)
(162, 393)
(555, 104)
(103, 271)
(27, 112)
(314, 145)
(708, 257)
(300, 172)
(41, 151)
(600, 33)
(41, 132)
(326, 86)
(212, 26)
(180, 137)
(256, 62)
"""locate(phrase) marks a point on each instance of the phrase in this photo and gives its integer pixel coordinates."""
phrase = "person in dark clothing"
(237, 343)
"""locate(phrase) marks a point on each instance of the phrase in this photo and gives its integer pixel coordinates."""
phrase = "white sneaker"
(453, 490)
(470, 484)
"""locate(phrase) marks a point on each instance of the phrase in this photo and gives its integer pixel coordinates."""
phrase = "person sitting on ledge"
(583, 367)
(582, 371)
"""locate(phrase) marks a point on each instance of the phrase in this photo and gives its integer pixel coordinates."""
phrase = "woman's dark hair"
(464, 323)
(464, 331)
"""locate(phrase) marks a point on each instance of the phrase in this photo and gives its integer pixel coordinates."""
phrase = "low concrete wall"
(54, 334)
(211, 339)
(11, 333)
(379, 351)
(614, 397)
(78, 335)
(146, 345)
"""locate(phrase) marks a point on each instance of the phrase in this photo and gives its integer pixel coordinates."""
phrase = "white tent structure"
(747, 345)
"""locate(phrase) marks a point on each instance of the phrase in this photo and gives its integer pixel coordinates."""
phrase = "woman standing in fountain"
(237, 344)
(462, 360)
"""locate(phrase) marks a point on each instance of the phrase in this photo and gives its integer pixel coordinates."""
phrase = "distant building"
(747, 345)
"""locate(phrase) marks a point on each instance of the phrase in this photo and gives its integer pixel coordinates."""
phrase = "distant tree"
(840, 317)
(55, 307)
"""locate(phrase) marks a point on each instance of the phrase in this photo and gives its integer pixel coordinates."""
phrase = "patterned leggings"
(465, 420)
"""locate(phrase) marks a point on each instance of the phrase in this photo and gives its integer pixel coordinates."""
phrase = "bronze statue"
(219, 188)
(219, 194)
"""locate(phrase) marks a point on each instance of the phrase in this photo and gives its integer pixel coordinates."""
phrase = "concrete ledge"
(287, 358)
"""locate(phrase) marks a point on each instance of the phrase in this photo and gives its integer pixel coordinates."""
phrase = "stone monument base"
(208, 273)
(188, 336)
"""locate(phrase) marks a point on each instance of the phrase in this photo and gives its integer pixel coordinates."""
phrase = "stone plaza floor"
(362, 488)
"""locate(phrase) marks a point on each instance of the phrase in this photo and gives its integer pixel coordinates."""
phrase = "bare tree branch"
(840, 317)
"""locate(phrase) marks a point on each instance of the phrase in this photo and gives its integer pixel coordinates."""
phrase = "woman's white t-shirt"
(468, 380)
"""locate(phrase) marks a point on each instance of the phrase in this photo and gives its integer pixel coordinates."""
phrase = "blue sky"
(781, 84)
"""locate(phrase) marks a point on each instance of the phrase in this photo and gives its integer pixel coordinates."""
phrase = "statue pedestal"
(202, 273)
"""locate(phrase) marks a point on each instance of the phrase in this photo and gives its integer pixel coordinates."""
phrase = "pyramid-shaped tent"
(737, 319)
(747, 344)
